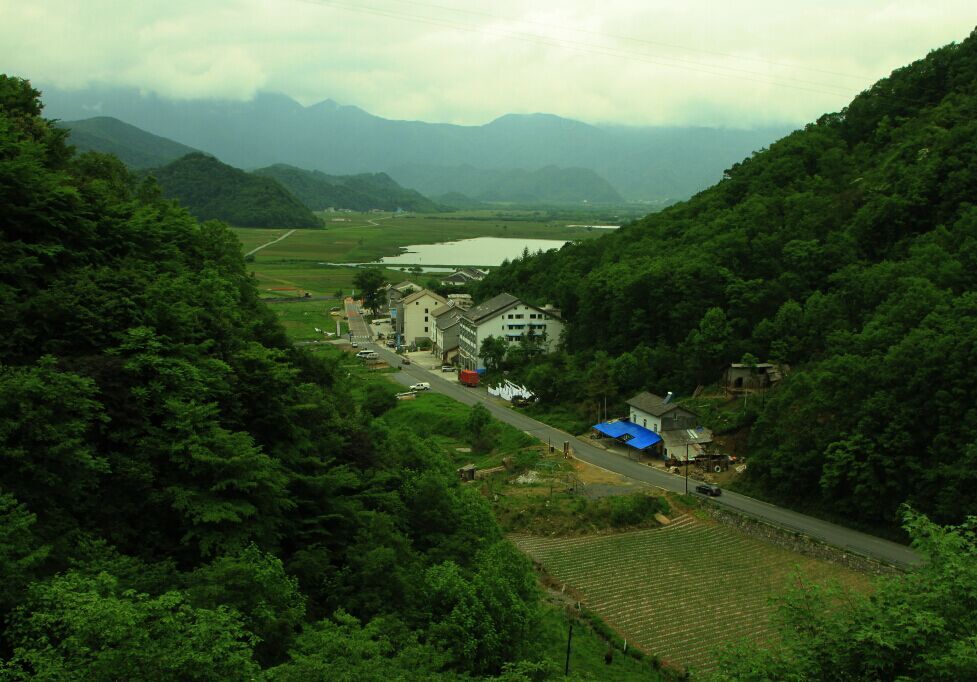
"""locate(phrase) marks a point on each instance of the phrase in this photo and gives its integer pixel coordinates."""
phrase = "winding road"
(843, 538)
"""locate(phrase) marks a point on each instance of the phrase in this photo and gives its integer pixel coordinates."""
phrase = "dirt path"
(273, 241)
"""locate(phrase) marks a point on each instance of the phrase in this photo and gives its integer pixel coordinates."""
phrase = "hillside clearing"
(681, 590)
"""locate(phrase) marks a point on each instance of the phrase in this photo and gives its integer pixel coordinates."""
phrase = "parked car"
(709, 489)
(391, 343)
(421, 386)
(405, 360)
(365, 351)
(354, 344)
(447, 368)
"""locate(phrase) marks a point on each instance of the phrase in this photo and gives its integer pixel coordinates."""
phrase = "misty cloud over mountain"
(641, 164)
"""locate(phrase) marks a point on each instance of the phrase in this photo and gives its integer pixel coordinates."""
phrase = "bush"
(630, 510)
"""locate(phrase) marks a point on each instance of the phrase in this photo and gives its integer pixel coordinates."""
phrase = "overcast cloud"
(637, 62)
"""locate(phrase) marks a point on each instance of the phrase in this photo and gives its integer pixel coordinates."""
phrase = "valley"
(302, 260)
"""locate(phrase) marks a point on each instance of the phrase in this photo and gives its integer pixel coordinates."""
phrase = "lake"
(479, 251)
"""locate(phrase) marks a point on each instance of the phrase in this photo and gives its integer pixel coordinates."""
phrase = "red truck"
(468, 377)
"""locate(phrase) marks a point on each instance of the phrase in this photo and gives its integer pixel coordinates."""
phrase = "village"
(445, 335)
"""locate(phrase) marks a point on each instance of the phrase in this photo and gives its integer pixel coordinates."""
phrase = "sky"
(743, 64)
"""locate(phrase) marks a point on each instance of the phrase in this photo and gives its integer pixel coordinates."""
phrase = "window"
(425, 318)
(425, 329)
(425, 312)
(644, 423)
(519, 316)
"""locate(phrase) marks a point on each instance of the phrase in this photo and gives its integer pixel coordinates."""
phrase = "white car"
(421, 386)
(363, 353)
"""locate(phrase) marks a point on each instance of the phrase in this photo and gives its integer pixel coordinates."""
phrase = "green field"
(361, 238)
(301, 319)
(299, 263)
(680, 591)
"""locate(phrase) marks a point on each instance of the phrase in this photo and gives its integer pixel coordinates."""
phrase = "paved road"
(833, 534)
(358, 328)
(273, 241)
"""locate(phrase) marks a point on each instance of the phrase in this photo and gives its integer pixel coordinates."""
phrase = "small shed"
(742, 378)
(467, 472)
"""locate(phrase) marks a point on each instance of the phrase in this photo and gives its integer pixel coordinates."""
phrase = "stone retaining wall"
(796, 542)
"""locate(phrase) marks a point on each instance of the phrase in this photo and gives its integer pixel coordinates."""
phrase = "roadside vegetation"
(184, 494)
(845, 252)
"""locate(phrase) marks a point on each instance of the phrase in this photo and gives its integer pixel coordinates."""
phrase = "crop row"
(678, 591)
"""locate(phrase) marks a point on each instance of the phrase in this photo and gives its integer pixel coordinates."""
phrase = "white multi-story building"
(507, 317)
(414, 320)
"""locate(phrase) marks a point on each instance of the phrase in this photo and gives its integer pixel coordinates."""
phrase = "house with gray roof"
(682, 436)
(463, 276)
(447, 322)
(507, 317)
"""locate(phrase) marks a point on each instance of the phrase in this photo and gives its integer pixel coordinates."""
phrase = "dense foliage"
(918, 626)
(547, 185)
(848, 251)
(212, 190)
(183, 494)
(363, 192)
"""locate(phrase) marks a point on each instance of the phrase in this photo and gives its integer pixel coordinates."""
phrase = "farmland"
(681, 590)
(300, 259)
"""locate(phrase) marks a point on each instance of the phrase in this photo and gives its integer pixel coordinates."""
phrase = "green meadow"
(301, 263)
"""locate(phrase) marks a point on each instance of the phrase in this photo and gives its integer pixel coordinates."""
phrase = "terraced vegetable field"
(681, 590)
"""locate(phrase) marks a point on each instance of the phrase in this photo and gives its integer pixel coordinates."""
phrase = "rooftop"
(654, 404)
(420, 294)
(494, 305)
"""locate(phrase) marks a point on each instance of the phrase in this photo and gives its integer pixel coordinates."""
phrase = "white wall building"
(415, 321)
(682, 437)
(507, 317)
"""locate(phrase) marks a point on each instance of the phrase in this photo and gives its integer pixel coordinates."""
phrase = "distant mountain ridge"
(134, 146)
(210, 190)
(642, 164)
(544, 185)
(362, 192)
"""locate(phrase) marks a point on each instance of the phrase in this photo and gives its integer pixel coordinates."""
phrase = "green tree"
(80, 627)
(916, 626)
(479, 428)
(254, 584)
(493, 351)
(370, 282)
(20, 552)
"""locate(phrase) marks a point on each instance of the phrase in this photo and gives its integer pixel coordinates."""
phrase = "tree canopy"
(186, 495)
(847, 252)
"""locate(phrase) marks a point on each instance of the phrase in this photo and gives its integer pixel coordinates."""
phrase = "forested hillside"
(135, 148)
(547, 185)
(212, 190)
(186, 496)
(847, 250)
(363, 192)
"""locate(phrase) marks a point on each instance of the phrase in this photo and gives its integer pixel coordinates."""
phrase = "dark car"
(709, 489)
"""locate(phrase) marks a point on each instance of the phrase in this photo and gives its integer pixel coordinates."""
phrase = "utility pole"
(566, 670)
(686, 468)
